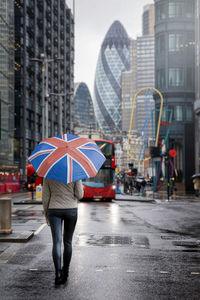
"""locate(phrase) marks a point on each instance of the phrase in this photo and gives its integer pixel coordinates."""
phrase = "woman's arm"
(78, 189)
(45, 197)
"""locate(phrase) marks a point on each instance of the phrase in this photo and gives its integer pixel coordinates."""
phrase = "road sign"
(172, 153)
(38, 192)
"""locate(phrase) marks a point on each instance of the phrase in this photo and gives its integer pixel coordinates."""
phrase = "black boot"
(65, 273)
(58, 278)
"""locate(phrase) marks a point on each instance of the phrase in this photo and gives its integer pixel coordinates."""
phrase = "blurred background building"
(83, 111)
(114, 57)
(140, 76)
(174, 67)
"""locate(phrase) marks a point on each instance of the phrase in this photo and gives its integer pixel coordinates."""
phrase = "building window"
(190, 77)
(160, 44)
(164, 114)
(160, 12)
(161, 79)
(189, 113)
(175, 42)
(175, 9)
(189, 9)
(176, 77)
(179, 113)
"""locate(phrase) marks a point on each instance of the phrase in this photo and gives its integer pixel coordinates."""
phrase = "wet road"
(121, 250)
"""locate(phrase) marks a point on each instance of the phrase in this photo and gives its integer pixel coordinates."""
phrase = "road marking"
(130, 271)
(195, 273)
(33, 269)
(39, 229)
(99, 270)
(164, 272)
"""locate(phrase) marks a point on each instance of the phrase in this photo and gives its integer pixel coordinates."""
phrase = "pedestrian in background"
(196, 182)
(60, 206)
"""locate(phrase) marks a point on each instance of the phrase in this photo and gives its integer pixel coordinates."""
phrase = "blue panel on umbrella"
(42, 147)
(59, 171)
(99, 158)
(59, 137)
(71, 137)
(38, 160)
(93, 145)
(78, 172)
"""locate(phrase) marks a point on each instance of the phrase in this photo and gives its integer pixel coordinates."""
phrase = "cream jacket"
(58, 195)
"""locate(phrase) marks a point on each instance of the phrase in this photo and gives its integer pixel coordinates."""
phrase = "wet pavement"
(121, 250)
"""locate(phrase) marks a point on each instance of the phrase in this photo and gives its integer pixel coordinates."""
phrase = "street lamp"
(45, 61)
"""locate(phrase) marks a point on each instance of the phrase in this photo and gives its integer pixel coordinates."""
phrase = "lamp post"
(45, 61)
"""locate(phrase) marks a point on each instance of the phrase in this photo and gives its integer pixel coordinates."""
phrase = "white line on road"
(39, 229)
(195, 273)
(164, 272)
(130, 271)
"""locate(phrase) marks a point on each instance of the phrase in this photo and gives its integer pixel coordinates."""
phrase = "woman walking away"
(60, 204)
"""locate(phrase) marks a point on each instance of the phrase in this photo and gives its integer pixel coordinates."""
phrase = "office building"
(148, 19)
(174, 68)
(44, 55)
(83, 111)
(197, 85)
(114, 57)
(140, 76)
(8, 170)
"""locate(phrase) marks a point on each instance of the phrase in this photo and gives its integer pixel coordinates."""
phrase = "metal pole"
(74, 10)
(60, 114)
(46, 102)
(43, 101)
(168, 184)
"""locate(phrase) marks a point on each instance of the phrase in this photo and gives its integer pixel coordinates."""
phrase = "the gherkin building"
(114, 58)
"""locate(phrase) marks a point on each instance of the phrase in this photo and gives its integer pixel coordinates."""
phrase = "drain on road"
(113, 240)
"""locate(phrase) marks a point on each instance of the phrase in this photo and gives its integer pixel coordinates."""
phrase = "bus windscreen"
(104, 178)
(106, 148)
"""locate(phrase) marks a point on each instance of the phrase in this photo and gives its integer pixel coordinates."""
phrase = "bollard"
(5, 216)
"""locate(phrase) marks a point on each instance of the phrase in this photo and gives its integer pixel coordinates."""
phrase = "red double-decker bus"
(102, 186)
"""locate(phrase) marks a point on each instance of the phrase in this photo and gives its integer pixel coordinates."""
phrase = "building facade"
(148, 20)
(114, 57)
(174, 67)
(83, 111)
(44, 55)
(6, 87)
(140, 76)
(197, 85)
(145, 77)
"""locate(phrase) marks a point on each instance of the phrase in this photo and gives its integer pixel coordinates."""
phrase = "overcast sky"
(92, 21)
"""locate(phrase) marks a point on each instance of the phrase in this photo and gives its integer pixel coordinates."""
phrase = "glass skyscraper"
(83, 111)
(114, 58)
(6, 85)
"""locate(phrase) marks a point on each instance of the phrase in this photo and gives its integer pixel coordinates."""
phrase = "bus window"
(104, 178)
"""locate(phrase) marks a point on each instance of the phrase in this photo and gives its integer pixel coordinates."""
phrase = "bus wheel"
(108, 199)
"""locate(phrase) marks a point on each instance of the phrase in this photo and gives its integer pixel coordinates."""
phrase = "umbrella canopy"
(196, 175)
(67, 158)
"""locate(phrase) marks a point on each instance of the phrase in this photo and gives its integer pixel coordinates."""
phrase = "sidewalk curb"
(17, 237)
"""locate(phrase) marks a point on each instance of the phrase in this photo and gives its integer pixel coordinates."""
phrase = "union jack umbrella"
(67, 158)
